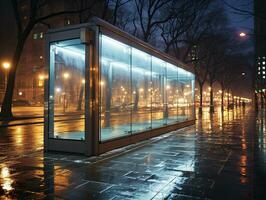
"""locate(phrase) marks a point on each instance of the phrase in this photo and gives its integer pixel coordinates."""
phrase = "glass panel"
(159, 109)
(172, 93)
(141, 91)
(67, 80)
(190, 95)
(182, 94)
(115, 89)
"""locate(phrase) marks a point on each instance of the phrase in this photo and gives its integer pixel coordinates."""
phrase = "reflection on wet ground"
(221, 157)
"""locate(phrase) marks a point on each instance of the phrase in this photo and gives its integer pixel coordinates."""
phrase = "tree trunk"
(211, 99)
(201, 98)
(80, 98)
(222, 97)
(261, 101)
(6, 109)
(228, 100)
(256, 102)
(108, 97)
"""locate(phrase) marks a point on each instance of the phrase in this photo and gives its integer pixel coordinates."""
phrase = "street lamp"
(66, 75)
(6, 66)
(242, 34)
(41, 77)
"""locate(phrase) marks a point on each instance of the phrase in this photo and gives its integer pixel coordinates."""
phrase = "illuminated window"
(68, 22)
(263, 62)
(263, 76)
(40, 83)
(38, 35)
(35, 36)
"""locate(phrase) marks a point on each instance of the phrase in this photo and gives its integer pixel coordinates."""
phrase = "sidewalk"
(213, 160)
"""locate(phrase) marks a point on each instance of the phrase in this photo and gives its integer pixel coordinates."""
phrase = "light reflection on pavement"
(221, 157)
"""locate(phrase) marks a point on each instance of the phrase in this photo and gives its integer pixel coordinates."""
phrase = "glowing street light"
(66, 75)
(6, 66)
(41, 77)
(102, 83)
(242, 34)
(58, 90)
(243, 73)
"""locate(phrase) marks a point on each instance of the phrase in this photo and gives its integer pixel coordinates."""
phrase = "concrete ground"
(221, 157)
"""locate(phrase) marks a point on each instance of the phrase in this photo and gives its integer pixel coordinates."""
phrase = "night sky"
(7, 33)
(240, 22)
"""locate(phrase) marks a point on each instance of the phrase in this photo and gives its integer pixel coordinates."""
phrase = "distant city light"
(243, 73)
(58, 89)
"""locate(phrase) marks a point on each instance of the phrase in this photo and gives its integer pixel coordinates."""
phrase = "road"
(221, 157)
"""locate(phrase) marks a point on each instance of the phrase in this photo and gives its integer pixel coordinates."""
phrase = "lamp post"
(6, 66)
(65, 77)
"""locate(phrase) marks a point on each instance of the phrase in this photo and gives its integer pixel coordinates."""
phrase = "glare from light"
(242, 34)
(41, 77)
(58, 89)
(6, 65)
(66, 75)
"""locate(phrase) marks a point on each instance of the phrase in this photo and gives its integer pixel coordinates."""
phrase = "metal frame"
(74, 146)
(89, 34)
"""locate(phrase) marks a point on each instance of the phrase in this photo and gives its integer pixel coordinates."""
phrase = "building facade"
(29, 85)
(260, 43)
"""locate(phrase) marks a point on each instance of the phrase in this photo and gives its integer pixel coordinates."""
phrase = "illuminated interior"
(67, 73)
(139, 91)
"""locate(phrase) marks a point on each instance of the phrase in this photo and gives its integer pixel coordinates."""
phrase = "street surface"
(221, 157)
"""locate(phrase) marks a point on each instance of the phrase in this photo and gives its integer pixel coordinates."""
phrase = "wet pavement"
(221, 157)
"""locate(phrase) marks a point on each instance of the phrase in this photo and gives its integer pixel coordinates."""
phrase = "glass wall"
(159, 100)
(115, 89)
(140, 91)
(67, 92)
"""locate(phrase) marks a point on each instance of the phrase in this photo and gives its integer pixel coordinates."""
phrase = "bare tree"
(186, 15)
(199, 38)
(230, 74)
(34, 16)
(150, 15)
(114, 12)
